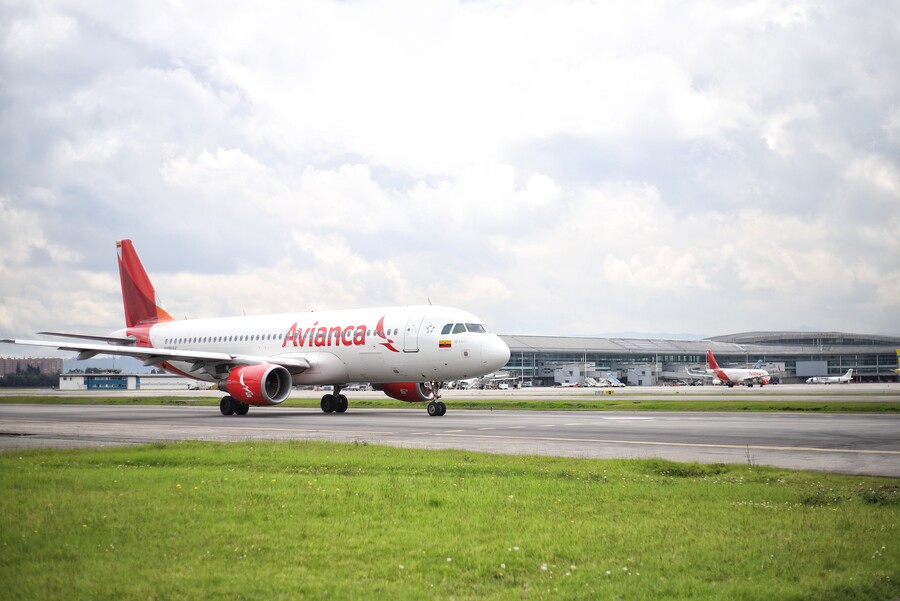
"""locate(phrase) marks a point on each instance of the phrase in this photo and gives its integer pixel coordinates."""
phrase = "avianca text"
(317, 335)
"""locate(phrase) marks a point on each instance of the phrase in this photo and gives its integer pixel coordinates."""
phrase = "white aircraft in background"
(733, 375)
(406, 352)
(845, 379)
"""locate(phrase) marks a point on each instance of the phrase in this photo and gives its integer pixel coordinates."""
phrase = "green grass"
(563, 404)
(315, 520)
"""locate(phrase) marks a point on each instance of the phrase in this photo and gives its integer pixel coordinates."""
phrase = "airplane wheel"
(341, 404)
(443, 407)
(242, 409)
(327, 403)
(434, 410)
(226, 405)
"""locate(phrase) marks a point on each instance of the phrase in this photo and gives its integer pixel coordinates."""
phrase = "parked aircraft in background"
(406, 352)
(845, 379)
(733, 375)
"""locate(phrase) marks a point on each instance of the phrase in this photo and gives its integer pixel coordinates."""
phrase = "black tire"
(327, 403)
(443, 408)
(242, 409)
(341, 404)
(226, 405)
(434, 410)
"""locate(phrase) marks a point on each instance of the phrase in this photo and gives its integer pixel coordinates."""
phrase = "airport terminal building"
(790, 357)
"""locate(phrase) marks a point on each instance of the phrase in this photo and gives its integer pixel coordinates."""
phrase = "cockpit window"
(446, 329)
(476, 327)
(459, 328)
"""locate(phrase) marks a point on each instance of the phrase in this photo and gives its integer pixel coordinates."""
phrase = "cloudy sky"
(554, 167)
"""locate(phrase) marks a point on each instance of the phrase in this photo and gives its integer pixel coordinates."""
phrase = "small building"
(118, 381)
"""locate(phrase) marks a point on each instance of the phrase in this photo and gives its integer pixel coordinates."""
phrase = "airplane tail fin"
(711, 361)
(142, 306)
(758, 364)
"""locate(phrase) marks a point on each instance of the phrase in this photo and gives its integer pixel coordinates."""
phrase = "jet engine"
(264, 384)
(411, 392)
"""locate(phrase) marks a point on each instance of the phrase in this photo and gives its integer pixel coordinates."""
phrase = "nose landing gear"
(436, 408)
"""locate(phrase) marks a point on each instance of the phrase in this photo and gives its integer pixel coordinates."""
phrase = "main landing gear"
(231, 406)
(334, 403)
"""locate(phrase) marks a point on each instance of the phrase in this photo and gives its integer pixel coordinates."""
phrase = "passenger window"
(446, 329)
(459, 328)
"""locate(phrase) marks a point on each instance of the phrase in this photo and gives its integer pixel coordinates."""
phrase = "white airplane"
(733, 375)
(845, 379)
(406, 352)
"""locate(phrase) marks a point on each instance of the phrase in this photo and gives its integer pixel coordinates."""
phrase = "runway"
(854, 444)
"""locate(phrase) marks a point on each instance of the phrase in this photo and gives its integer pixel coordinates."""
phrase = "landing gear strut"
(334, 403)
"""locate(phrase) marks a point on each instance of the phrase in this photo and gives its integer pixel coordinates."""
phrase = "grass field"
(316, 520)
(623, 403)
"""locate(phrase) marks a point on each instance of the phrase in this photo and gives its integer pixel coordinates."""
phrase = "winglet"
(142, 306)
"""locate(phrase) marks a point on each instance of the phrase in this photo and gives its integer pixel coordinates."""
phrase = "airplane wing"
(697, 374)
(155, 356)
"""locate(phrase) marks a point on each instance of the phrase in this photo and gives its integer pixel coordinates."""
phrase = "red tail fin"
(711, 361)
(142, 306)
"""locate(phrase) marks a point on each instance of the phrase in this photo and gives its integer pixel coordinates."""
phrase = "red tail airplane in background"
(406, 352)
(733, 375)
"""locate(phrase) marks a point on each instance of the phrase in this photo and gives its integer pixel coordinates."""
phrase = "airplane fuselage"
(734, 375)
(845, 379)
(739, 376)
(418, 343)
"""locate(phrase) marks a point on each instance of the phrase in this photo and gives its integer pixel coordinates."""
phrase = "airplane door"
(411, 333)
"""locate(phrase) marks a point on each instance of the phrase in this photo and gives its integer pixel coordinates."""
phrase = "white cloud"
(566, 168)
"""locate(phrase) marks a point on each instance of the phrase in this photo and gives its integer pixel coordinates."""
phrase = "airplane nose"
(495, 353)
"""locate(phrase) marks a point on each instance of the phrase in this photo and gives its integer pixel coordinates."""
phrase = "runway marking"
(456, 434)
(144, 426)
(487, 428)
(682, 444)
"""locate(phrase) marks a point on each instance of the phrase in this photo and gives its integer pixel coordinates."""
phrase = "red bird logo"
(379, 330)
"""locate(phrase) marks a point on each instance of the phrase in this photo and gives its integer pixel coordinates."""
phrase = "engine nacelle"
(264, 384)
(411, 392)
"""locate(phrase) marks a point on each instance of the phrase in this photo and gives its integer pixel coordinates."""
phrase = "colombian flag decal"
(444, 344)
